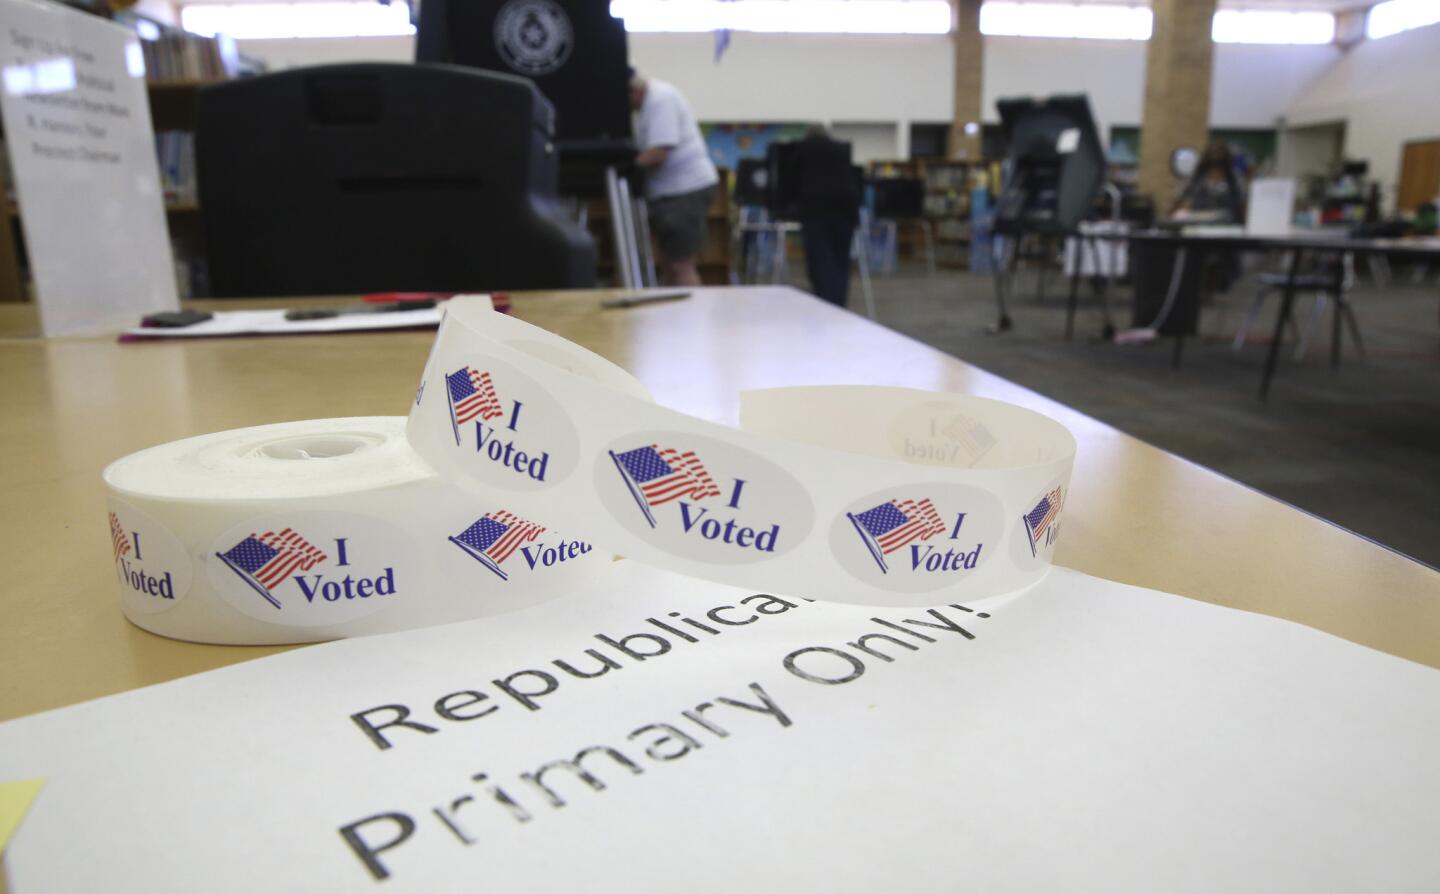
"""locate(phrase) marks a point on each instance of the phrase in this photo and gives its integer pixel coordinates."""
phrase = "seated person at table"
(1214, 195)
(1214, 192)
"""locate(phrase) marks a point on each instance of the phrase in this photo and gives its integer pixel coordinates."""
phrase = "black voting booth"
(752, 183)
(577, 55)
(1054, 169)
(382, 177)
(811, 175)
(573, 50)
(899, 198)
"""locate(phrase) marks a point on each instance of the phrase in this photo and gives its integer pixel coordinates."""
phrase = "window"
(1269, 26)
(787, 16)
(268, 20)
(1117, 21)
(1106, 21)
(1395, 16)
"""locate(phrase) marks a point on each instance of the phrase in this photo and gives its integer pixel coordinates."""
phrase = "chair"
(1335, 278)
(383, 177)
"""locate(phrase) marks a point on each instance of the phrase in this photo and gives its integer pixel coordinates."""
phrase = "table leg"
(1335, 331)
(1287, 304)
(1002, 252)
(1102, 282)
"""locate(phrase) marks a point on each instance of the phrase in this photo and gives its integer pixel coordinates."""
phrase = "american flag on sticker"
(896, 524)
(1038, 520)
(495, 537)
(118, 541)
(656, 475)
(472, 395)
(972, 436)
(264, 561)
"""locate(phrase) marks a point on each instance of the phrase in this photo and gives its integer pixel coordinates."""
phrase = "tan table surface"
(1135, 514)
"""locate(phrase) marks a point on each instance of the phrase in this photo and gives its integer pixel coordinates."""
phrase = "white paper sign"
(659, 733)
(1271, 211)
(77, 127)
(1068, 141)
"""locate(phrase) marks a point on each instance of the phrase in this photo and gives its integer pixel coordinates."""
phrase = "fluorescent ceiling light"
(258, 21)
(1271, 26)
(1395, 16)
(1099, 21)
(786, 16)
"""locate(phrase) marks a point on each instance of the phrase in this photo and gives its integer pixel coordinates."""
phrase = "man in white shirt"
(680, 178)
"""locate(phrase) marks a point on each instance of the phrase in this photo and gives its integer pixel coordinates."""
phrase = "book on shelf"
(182, 56)
(175, 150)
(173, 54)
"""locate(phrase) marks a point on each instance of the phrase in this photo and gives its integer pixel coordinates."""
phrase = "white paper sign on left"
(77, 124)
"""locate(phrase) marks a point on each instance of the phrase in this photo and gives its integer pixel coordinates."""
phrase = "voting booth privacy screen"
(573, 50)
(810, 175)
(1055, 166)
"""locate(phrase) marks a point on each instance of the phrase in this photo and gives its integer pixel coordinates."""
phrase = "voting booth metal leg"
(1071, 301)
(1002, 249)
(862, 258)
(641, 211)
(777, 256)
(622, 228)
(1043, 267)
(892, 246)
(1106, 275)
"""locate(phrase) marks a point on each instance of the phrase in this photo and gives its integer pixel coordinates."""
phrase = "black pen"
(636, 300)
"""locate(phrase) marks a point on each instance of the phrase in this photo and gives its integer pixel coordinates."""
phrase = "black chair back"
(383, 177)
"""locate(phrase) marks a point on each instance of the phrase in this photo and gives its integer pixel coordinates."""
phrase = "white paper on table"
(1271, 210)
(273, 322)
(1091, 737)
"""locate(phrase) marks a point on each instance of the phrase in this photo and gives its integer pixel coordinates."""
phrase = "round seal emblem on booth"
(534, 37)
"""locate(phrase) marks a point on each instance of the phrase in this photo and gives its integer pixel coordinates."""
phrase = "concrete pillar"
(969, 73)
(1177, 92)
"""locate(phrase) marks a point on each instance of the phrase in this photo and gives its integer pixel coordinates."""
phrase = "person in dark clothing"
(1214, 189)
(1215, 195)
(827, 192)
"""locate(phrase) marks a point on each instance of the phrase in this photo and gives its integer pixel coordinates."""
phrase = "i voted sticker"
(313, 569)
(510, 547)
(508, 431)
(701, 498)
(936, 433)
(917, 538)
(1037, 529)
(152, 566)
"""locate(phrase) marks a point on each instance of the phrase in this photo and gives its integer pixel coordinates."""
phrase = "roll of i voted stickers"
(306, 531)
(875, 496)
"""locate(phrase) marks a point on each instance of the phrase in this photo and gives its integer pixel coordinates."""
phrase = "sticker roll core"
(858, 494)
(316, 530)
